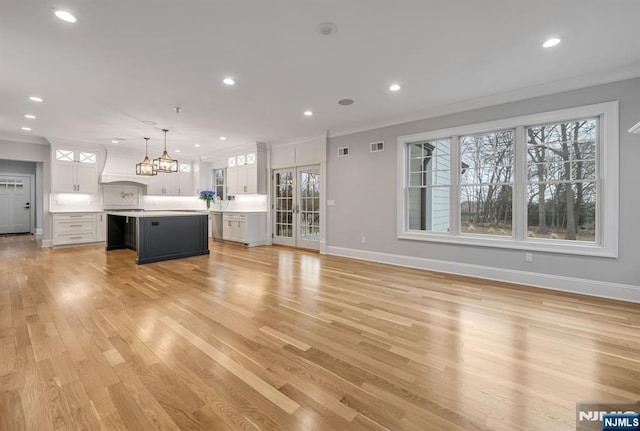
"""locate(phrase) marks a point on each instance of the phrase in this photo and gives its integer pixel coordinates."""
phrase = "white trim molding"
(601, 289)
(607, 229)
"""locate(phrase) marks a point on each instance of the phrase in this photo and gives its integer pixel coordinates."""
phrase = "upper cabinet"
(180, 183)
(246, 172)
(74, 170)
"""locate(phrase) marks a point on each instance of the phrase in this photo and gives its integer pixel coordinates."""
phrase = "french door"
(15, 204)
(296, 205)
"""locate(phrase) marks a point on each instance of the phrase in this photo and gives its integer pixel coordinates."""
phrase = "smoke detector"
(177, 109)
(327, 28)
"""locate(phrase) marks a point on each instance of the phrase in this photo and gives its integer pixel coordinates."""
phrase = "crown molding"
(545, 89)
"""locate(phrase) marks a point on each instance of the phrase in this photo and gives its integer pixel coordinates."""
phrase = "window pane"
(429, 209)
(487, 158)
(562, 170)
(486, 209)
(564, 211)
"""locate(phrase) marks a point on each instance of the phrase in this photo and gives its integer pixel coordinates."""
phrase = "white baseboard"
(602, 289)
(323, 247)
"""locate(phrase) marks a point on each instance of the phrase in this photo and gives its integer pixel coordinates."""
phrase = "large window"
(544, 182)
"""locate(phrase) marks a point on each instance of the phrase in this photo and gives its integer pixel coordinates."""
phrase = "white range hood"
(121, 167)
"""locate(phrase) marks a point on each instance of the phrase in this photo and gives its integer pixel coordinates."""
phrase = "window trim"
(606, 244)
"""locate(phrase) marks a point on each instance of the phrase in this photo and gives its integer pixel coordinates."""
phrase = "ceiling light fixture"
(345, 102)
(146, 167)
(229, 81)
(223, 138)
(165, 163)
(114, 141)
(35, 99)
(551, 42)
(394, 87)
(197, 145)
(149, 122)
(308, 113)
(65, 16)
(26, 129)
(30, 116)
(177, 151)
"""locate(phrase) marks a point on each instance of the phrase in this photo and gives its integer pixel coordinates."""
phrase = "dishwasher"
(216, 226)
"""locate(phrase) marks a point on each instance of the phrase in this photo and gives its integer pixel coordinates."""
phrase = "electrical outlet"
(364, 239)
(528, 257)
(331, 203)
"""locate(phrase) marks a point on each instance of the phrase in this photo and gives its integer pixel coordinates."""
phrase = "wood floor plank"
(278, 339)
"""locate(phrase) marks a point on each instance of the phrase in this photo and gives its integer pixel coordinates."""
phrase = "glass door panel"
(283, 232)
(297, 207)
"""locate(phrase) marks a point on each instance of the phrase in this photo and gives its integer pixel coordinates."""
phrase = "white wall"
(364, 188)
(11, 151)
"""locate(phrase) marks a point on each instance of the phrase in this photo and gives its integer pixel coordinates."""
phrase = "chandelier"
(165, 163)
(146, 167)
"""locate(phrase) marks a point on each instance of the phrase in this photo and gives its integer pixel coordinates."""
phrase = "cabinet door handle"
(75, 225)
(76, 237)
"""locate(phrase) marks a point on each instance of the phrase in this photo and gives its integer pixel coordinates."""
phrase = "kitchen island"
(158, 235)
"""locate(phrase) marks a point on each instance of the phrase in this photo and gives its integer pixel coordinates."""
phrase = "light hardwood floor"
(271, 338)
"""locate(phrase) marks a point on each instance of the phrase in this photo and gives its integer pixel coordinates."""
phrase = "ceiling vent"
(376, 147)
(343, 152)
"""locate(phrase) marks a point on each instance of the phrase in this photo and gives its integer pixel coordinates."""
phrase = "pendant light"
(165, 163)
(146, 167)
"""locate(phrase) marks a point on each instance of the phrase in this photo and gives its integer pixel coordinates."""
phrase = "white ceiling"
(126, 61)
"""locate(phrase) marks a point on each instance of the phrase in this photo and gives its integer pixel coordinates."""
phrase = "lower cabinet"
(74, 228)
(249, 229)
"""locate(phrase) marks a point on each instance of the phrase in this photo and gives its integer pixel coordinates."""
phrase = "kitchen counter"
(237, 211)
(158, 235)
(142, 214)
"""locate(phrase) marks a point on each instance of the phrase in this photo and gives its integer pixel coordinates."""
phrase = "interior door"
(15, 204)
(297, 207)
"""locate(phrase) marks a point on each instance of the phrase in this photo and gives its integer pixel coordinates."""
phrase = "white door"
(297, 207)
(15, 204)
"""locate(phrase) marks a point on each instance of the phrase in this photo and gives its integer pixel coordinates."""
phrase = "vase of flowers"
(207, 196)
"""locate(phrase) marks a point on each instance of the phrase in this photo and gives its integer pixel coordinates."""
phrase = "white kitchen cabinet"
(246, 228)
(246, 173)
(74, 171)
(173, 184)
(101, 227)
(74, 228)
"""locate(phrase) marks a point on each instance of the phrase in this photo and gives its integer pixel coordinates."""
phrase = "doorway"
(296, 206)
(15, 204)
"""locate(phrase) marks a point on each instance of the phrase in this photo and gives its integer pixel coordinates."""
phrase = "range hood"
(121, 167)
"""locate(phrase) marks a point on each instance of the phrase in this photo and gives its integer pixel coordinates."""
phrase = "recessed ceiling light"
(177, 151)
(149, 122)
(223, 138)
(551, 42)
(114, 141)
(308, 113)
(345, 102)
(65, 16)
(35, 99)
(197, 145)
(30, 116)
(26, 129)
(229, 81)
(394, 87)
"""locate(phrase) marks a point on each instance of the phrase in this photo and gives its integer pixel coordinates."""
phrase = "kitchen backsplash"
(127, 196)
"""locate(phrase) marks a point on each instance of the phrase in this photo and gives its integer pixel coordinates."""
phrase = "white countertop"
(238, 211)
(75, 211)
(140, 214)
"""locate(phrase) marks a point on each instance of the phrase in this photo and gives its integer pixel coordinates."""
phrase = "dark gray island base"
(158, 235)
